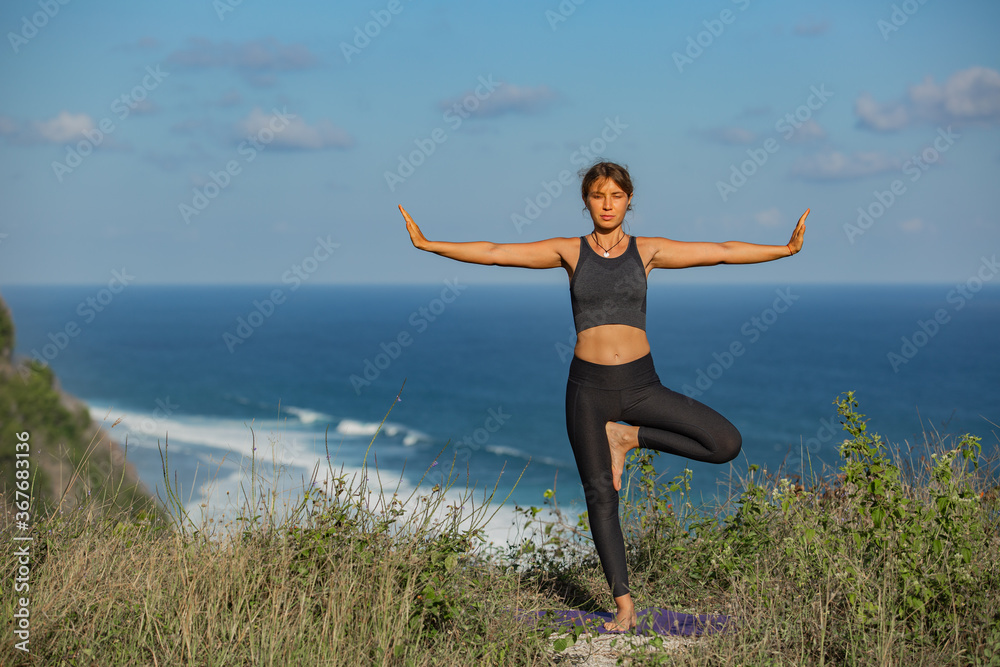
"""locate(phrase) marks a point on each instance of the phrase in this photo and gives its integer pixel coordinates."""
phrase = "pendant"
(606, 254)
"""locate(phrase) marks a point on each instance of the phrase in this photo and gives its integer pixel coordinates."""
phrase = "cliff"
(69, 457)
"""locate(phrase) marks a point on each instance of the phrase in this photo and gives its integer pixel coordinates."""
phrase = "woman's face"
(607, 204)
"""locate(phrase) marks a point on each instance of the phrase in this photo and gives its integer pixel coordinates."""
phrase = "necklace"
(607, 250)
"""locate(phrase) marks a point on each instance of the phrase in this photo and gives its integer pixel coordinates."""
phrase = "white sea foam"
(353, 427)
(359, 428)
(308, 416)
(241, 438)
(223, 497)
(284, 462)
(501, 450)
(413, 437)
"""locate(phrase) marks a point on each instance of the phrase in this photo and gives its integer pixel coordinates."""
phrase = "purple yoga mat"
(652, 620)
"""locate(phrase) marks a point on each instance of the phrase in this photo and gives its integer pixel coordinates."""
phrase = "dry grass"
(345, 580)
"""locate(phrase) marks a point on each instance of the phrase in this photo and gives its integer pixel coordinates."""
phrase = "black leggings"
(668, 422)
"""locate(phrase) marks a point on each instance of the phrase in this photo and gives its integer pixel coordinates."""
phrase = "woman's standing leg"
(588, 411)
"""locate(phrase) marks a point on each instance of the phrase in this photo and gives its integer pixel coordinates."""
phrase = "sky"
(244, 141)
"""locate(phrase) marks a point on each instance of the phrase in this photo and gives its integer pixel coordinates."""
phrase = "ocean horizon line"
(430, 283)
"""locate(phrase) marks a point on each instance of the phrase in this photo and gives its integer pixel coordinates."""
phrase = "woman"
(611, 377)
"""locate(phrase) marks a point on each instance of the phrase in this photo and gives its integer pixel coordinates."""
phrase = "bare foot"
(624, 621)
(622, 439)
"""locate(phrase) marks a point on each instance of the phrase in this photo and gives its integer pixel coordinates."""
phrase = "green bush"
(7, 337)
(884, 556)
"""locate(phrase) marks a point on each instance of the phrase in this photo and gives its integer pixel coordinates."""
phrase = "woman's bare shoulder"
(653, 244)
(562, 244)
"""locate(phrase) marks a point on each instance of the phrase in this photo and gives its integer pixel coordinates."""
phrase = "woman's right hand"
(416, 236)
(548, 254)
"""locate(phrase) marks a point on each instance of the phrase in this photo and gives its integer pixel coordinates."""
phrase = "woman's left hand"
(798, 233)
(416, 236)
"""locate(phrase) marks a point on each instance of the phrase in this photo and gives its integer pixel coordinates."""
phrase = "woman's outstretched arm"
(547, 254)
(669, 254)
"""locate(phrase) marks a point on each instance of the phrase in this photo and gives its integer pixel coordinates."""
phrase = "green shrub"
(883, 560)
(7, 337)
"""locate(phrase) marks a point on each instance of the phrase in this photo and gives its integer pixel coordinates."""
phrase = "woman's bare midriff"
(611, 344)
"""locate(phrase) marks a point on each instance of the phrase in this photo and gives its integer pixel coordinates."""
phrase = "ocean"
(299, 374)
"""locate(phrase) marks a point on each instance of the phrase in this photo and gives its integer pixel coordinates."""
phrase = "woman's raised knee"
(727, 445)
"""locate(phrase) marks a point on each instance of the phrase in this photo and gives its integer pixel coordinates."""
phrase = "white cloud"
(191, 126)
(967, 96)
(143, 107)
(504, 98)
(295, 133)
(837, 166)
(973, 94)
(7, 125)
(257, 60)
(812, 29)
(808, 131)
(254, 55)
(143, 43)
(731, 135)
(880, 117)
(769, 217)
(230, 98)
(63, 128)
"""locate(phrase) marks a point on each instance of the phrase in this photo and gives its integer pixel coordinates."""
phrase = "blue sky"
(230, 142)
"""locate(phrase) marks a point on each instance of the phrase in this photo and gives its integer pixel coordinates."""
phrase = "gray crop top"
(608, 290)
